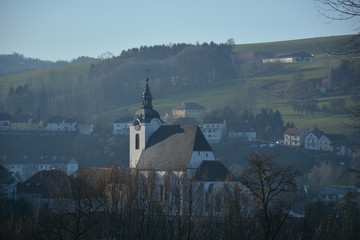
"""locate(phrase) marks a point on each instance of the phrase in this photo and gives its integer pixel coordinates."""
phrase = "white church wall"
(198, 156)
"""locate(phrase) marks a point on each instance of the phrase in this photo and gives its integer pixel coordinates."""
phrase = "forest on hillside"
(17, 63)
(114, 82)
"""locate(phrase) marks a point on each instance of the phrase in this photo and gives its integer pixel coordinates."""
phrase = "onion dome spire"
(146, 96)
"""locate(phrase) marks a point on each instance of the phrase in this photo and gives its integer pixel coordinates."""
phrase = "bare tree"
(341, 10)
(269, 183)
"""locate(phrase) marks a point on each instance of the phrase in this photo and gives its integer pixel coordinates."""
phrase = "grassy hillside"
(69, 74)
(266, 90)
(311, 45)
(219, 94)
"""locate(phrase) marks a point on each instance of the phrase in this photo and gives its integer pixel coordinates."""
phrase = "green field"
(268, 90)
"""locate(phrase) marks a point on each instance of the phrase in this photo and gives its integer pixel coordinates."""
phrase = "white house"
(242, 130)
(188, 110)
(121, 126)
(214, 129)
(295, 137)
(61, 124)
(289, 57)
(311, 140)
(26, 166)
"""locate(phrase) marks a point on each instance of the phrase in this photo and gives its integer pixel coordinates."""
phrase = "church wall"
(198, 156)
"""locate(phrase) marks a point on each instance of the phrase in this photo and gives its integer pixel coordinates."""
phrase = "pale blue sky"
(67, 29)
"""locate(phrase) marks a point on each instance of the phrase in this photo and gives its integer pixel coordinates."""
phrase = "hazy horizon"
(65, 30)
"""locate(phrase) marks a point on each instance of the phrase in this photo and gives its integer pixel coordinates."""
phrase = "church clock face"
(137, 125)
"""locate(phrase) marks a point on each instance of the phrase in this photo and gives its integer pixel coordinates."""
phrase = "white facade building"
(25, 167)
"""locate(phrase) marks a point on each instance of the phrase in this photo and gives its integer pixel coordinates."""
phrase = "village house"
(37, 189)
(242, 130)
(290, 57)
(335, 193)
(214, 129)
(121, 126)
(86, 128)
(319, 140)
(311, 140)
(61, 124)
(188, 110)
(324, 143)
(5, 121)
(295, 137)
(173, 153)
(25, 122)
(26, 166)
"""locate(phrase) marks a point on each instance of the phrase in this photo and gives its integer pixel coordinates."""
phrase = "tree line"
(114, 82)
(118, 204)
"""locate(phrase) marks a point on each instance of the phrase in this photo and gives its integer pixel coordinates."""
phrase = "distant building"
(242, 130)
(295, 137)
(214, 129)
(311, 141)
(26, 166)
(61, 124)
(289, 57)
(24, 122)
(121, 126)
(38, 189)
(86, 128)
(188, 110)
(335, 193)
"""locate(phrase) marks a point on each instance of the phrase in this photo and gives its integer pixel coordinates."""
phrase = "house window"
(137, 141)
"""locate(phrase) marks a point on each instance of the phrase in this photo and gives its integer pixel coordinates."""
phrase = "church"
(176, 155)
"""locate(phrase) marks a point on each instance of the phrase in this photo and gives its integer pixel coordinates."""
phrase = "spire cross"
(147, 74)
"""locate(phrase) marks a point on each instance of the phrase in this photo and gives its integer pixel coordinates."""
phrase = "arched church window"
(137, 141)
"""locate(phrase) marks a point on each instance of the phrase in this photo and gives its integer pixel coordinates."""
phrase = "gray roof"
(171, 146)
(5, 116)
(212, 120)
(212, 171)
(22, 117)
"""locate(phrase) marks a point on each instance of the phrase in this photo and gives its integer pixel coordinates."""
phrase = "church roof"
(212, 171)
(171, 146)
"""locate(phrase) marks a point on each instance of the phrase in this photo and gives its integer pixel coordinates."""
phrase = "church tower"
(146, 122)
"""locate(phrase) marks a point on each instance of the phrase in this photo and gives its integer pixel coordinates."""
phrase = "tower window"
(137, 141)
